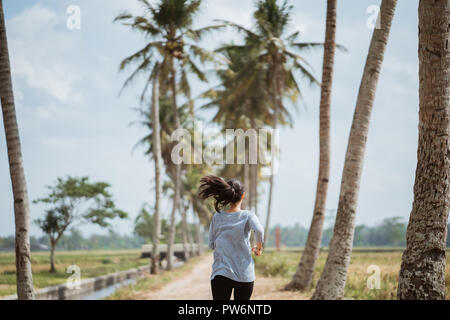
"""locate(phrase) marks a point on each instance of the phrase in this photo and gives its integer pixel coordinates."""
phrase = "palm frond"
(198, 34)
(239, 28)
(307, 46)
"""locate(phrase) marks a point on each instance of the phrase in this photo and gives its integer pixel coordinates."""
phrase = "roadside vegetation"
(284, 264)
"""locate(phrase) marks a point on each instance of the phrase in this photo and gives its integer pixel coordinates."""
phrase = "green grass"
(285, 263)
(92, 264)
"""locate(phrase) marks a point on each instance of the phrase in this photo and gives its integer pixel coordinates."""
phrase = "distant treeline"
(391, 232)
(74, 240)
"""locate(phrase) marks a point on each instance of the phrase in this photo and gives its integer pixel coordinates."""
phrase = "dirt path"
(195, 285)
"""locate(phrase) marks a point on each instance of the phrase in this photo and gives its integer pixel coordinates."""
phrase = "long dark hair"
(223, 192)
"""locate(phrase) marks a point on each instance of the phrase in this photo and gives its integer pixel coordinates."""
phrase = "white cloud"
(32, 33)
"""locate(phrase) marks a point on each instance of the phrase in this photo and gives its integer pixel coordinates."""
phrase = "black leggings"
(221, 288)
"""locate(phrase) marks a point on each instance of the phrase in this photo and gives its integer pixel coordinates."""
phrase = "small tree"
(144, 224)
(75, 200)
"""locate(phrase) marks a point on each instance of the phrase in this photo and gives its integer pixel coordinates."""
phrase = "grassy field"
(270, 264)
(91, 263)
(285, 264)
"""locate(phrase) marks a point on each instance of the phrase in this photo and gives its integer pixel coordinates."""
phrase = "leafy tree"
(75, 200)
(144, 224)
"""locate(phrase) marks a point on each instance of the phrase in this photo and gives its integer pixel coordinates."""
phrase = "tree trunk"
(254, 174)
(332, 281)
(256, 168)
(276, 100)
(176, 197)
(247, 200)
(154, 269)
(189, 234)
(422, 273)
(302, 278)
(269, 209)
(198, 234)
(184, 233)
(24, 275)
(52, 256)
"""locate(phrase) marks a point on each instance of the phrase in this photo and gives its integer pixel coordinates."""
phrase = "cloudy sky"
(73, 121)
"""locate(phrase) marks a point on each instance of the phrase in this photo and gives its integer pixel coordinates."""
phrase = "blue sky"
(73, 121)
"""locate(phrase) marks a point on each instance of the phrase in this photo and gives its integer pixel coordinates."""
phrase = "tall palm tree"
(241, 101)
(274, 48)
(24, 277)
(156, 150)
(332, 280)
(166, 121)
(173, 47)
(422, 273)
(303, 276)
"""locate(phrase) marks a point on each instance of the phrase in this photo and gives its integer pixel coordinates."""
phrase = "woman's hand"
(257, 250)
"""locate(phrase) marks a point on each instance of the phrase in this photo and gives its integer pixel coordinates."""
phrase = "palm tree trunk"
(198, 232)
(247, 200)
(184, 233)
(422, 273)
(189, 234)
(253, 174)
(256, 168)
(154, 269)
(176, 197)
(276, 96)
(302, 278)
(332, 281)
(269, 209)
(24, 275)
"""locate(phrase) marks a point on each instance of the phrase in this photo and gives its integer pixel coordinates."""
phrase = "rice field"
(91, 263)
(270, 265)
(386, 262)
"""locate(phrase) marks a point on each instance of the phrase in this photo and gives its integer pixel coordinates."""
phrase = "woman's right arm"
(257, 228)
(211, 234)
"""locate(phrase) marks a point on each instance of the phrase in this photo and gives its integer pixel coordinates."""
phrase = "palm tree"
(422, 273)
(274, 49)
(24, 277)
(241, 100)
(173, 48)
(332, 280)
(200, 209)
(302, 278)
(166, 127)
(156, 150)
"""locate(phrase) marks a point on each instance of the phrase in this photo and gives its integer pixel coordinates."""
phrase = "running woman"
(229, 237)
